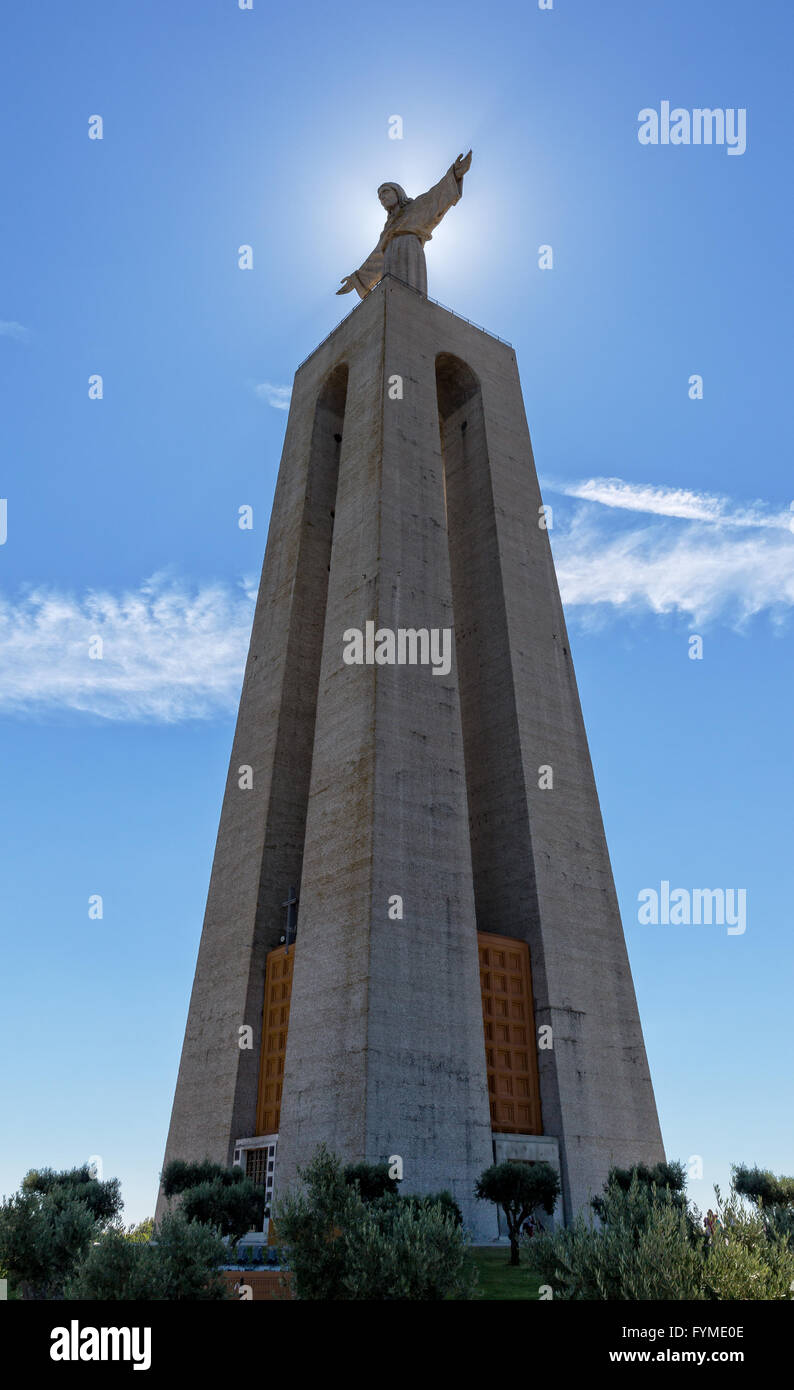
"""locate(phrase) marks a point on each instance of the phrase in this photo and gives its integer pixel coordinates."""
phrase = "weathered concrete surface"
(420, 785)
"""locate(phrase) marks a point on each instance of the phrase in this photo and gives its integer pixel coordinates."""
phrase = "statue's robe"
(400, 250)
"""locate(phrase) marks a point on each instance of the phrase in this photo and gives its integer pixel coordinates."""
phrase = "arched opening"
(293, 763)
(498, 824)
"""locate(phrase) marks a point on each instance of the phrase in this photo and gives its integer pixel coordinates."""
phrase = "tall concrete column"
(385, 1052)
(407, 497)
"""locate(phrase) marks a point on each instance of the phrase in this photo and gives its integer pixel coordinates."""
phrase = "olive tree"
(519, 1189)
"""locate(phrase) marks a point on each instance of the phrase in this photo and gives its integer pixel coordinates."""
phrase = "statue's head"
(393, 196)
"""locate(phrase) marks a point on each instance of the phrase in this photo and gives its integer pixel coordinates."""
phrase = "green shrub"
(340, 1247)
(763, 1187)
(649, 1247)
(643, 1250)
(746, 1259)
(230, 1209)
(103, 1199)
(41, 1239)
(779, 1221)
(373, 1180)
(60, 1235)
(310, 1224)
(374, 1185)
(116, 1268)
(178, 1175)
(189, 1255)
(406, 1250)
(664, 1177)
(47, 1226)
(142, 1232)
(179, 1264)
(443, 1199)
(772, 1196)
(223, 1198)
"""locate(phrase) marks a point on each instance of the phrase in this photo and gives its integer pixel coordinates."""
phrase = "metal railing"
(445, 307)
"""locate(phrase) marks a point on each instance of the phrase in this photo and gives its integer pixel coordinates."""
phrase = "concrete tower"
(426, 816)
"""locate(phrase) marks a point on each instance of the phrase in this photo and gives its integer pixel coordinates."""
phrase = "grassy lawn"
(498, 1281)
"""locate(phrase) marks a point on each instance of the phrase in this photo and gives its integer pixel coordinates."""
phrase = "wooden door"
(275, 1021)
(510, 1037)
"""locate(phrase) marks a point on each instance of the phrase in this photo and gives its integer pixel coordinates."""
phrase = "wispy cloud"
(686, 559)
(277, 396)
(699, 574)
(173, 651)
(9, 329)
(681, 503)
(169, 652)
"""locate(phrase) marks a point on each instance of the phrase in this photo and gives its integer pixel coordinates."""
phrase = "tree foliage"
(103, 1199)
(374, 1184)
(341, 1247)
(372, 1179)
(444, 1200)
(223, 1198)
(772, 1196)
(115, 1268)
(763, 1187)
(232, 1209)
(519, 1189)
(41, 1238)
(642, 1249)
(179, 1264)
(179, 1175)
(144, 1230)
(406, 1250)
(662, 1177)
(310, 1224)
(47, 1226)
(648, 1246)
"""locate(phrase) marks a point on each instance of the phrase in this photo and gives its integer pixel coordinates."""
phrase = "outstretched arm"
(367, 275)
(425, 212)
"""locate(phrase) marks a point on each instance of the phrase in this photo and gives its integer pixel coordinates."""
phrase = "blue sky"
(672, 516)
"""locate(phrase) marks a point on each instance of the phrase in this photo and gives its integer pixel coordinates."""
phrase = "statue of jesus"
(409, 224)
